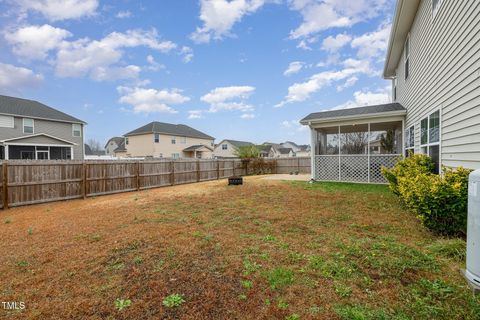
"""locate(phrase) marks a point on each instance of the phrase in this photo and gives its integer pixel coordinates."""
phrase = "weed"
(293, 316)
(159, 266)
(173, 300)
(121, 304)
(8, 221)
(360, 312)
(279, 277)
(282, 304)
(115, 264)
(449, 248)
(342, 290)
(250, 267)
(30, 231)
(242, 296)
(22, 263)
(267, 302)
(247, 284)
(269, 238)
(138, 260)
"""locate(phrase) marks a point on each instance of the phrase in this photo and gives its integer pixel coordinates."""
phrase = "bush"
(439, 201)
(260, 166)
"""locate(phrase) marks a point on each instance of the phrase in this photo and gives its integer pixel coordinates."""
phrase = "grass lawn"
(264, 250)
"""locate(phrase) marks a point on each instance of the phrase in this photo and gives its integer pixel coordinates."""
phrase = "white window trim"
(73, 130)
(407, 58)
(173, 140)
(155, 137)
(413, 146)
(226, 146)
(436, 9)
(33, 126)
(429, 144)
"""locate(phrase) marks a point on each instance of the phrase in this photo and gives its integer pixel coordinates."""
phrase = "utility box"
(472, 274)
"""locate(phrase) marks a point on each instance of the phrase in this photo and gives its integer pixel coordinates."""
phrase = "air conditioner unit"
(472, 274)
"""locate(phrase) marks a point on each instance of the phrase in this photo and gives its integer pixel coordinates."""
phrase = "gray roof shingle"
(284, 150)
(169, 128)
(33, 109)
(389, 107)
(117, 140)
(238, 143)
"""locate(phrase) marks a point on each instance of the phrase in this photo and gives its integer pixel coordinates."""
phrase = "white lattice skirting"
(353, 168)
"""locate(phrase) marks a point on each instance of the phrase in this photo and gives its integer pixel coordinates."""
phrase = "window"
(6, 122)
(156, 137)
(407, 57)
(436, 4)
(430, 138)
(28, 125)
(174, 140)
(126, 140)
(410, 141)
(76, 130)
(395, 89)
(175, 155)
(224, 146)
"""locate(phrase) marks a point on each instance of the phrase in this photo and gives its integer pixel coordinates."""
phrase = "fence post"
(218, 169)
(298, 165)
(198, 170)
(84, 180)
(138, 175)
(172, 172)
(5, 185)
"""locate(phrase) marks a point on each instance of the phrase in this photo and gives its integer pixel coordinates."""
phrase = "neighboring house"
(299, 150)
(226, 148)
(165, 140)
(112, 144)
(32, 130)
(433, 59)
(275, 150)
(121, 150)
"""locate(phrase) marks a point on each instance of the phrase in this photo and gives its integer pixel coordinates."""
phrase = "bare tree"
(94, 145)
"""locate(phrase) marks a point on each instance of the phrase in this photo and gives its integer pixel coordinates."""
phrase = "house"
(226, 148)
(285, 152)
(112, 144)
(31, 130)
(299, 150)
(433, 60)
(275, 150)
(166, 140)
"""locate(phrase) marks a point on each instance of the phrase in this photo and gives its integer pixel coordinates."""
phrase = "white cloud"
(247, 116)
(333, 44)
(368, 98)
(146, 100)
(322, 15)
(294, 125)
(187, 54)
(87, 57)
(347, 84)
(372, 44)
(13, 79)
(154, 65)
(34, 42)
(123, 14)
(55, 10)
(229, 98)
(115, 73)
(195, 114)
(294, 67)
(219, 16)
(301, 91)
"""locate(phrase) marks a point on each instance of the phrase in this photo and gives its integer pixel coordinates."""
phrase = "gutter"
(353, 117)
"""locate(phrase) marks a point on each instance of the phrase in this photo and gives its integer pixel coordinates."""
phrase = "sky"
(238, 69)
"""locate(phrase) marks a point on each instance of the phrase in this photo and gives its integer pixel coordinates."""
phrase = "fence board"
(30, 182)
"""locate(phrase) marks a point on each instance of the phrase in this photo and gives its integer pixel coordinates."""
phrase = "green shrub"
(439, 201)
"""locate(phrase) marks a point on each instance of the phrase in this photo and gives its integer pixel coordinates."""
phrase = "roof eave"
(355, 117)
(405, 12)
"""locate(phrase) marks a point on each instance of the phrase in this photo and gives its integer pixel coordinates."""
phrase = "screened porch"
(356, 152)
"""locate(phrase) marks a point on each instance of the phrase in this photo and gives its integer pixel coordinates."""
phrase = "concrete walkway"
(292, 177)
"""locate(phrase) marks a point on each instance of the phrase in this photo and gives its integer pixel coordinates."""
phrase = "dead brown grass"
(72, 260)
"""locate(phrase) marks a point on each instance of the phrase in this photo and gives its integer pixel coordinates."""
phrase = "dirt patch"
(263, 250)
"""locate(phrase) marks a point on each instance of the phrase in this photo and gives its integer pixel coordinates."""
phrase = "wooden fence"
(30, 182)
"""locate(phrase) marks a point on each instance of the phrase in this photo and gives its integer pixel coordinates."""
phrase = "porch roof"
(352, 113)
(197, 147)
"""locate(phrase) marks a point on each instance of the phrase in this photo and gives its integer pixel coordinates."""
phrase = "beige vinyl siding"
(445, 75)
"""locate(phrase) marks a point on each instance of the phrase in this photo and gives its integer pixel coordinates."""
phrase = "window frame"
(173, 140)
(33, 125)
(73, 130)
(406, 49)
(156, 137)
(410, 135)
(224, 145)
(425, 147)
(183, 140)
(126, 141)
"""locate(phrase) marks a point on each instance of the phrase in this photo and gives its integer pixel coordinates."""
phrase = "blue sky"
(241, 69)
